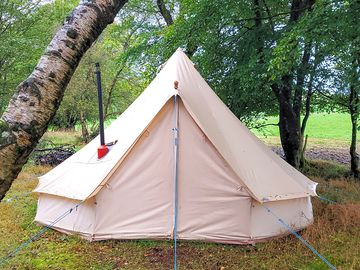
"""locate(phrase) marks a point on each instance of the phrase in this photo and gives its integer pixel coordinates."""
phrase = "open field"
(328, 137)
(330, 131)
(333, 126)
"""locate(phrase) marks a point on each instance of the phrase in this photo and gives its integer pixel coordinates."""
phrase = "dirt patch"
(160, 255)
(341, 156)
(162, 258)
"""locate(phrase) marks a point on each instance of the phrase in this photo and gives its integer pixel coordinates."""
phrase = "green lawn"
(320, 125)
(323, 130)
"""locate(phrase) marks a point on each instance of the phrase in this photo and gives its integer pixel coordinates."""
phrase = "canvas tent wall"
(225, 173)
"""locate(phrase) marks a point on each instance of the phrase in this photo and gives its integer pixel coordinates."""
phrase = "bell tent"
(183, 164)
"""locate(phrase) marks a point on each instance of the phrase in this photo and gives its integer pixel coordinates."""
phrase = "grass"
(312, 142)
(324, 130)
(61, 137)
(334, 126)
(335, 234)
(325, 170)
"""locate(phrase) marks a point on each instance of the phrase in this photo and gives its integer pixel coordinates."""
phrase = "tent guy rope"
(298, 236)
(37, 235)
(326, 200)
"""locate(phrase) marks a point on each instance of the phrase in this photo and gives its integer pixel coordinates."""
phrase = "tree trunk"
(354, 97)
(290, 103)
(355, 170)
(37, 98)
(354, 104)
(303, 150)
(302, 71)
(289, 124)
(71, 121)
(84, 130)
(307, 107)
(290, 135)
(304, 121)
(259, 35)
(165, 13)
(107, 104)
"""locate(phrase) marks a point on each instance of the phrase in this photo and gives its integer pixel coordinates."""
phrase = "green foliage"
(338, 37)
(120, 81)
(26, 27)
(241, 48)
(239, 56)
(225, 46)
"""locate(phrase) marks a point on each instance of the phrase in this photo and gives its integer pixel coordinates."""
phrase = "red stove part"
(102, 151)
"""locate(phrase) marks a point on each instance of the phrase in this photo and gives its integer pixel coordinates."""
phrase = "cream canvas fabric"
(225, 173)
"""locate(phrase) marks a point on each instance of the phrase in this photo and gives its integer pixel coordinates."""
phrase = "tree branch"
(264, 125)
(344, 104)
(272, 16)
(164, 12)
(268, 12)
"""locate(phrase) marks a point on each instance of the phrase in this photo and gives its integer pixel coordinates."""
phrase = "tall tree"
(354, 85)
(354, 109)
(339, 44)
(290, 94)
(37, 98)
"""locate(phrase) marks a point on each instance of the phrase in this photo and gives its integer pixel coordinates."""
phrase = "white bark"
(37, 98)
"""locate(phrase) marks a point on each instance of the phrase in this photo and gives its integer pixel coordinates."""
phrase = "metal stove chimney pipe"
(103, 149)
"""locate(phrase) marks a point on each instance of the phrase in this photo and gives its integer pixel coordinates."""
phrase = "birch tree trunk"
(38, 97)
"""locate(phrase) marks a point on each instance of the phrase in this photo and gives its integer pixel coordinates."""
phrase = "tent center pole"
(175, 173)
